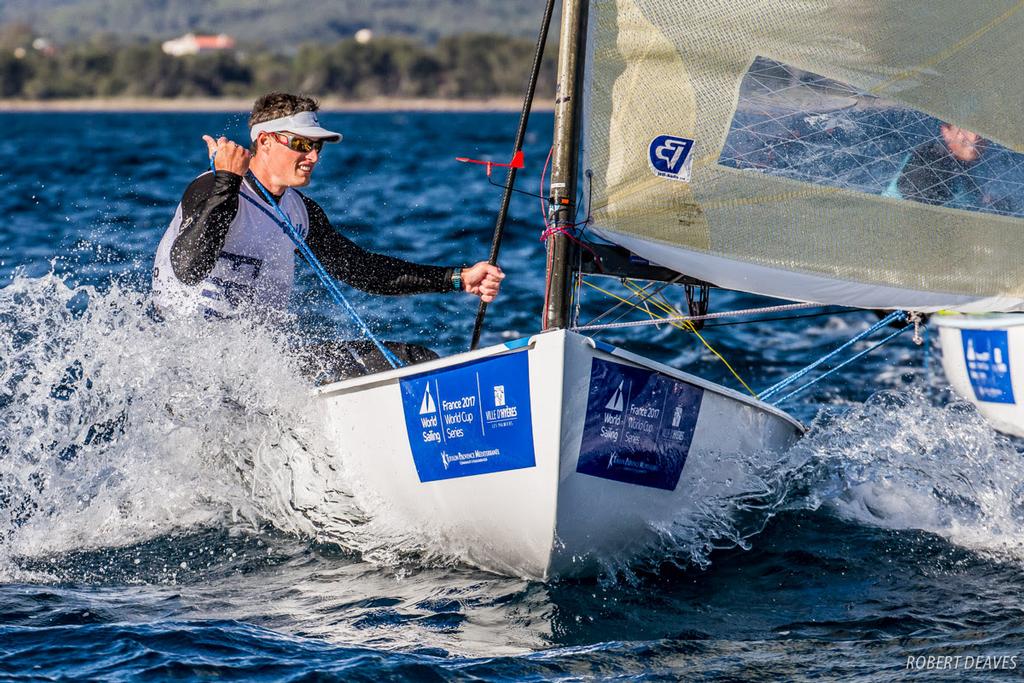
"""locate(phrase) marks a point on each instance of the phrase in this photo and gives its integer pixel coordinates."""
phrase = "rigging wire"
(640, 292)
(546, 202)
(895, 316)
(677, 324)
(569, 230)
(709, 316)
(550, 230)
(685, 323)
(528, 194)
(667, 307)
(846, 362)
(843, 311)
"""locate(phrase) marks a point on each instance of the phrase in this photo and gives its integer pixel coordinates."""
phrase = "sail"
(867, 154)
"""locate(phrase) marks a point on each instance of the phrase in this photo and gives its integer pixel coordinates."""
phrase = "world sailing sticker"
(639, 425)
(987, 357)
(471, 419)
(670, 157)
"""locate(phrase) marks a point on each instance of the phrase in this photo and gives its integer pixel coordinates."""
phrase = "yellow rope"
(671, 310)
(685, 325)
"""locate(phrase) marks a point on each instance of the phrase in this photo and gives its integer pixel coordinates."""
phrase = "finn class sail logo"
(670, 157)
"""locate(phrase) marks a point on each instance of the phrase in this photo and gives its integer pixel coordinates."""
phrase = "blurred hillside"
(274, 24)
(465, 66)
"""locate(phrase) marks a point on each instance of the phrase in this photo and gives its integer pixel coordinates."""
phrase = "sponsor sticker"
(987, 357)
(670, 157)
(639, 425)
(471, 419)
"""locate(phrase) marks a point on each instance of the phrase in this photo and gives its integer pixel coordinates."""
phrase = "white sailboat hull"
(581, 452)
(983, 357)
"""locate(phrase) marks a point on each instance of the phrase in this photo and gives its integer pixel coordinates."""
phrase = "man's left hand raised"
(482, 279)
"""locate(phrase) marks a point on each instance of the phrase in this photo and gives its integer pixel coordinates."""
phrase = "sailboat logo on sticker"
(427, 406)
(615, 402)
(671, 157)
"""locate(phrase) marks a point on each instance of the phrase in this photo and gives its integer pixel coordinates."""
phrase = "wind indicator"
(517, 162)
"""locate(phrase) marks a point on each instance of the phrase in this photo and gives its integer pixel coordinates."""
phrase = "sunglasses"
(297, 143)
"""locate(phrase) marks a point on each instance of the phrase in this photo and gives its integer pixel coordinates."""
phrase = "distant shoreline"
(239, 104)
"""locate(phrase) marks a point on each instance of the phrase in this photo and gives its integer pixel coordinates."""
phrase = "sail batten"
(814, 150)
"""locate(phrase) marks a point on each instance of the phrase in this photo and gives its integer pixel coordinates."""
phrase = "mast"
(510, 180)
(561, 250)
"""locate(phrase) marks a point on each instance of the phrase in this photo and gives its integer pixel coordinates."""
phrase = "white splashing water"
(900, 461)
(115, 428)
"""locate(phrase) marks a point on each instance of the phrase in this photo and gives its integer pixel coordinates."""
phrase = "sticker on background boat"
(471, 419)
(670, 157)
(638, 427)
(987, 357)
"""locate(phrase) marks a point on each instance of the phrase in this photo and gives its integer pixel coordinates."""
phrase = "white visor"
(304, 123)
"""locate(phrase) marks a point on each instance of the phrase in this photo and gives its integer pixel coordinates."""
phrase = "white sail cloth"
(865, 154)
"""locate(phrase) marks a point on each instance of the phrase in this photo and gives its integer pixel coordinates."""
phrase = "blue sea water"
(133, 546)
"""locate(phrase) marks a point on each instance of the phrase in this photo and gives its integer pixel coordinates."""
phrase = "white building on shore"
(191, 44)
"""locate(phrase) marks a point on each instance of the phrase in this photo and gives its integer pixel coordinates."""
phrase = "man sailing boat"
(225, 253)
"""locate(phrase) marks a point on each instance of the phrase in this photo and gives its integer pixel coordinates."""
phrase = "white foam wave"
(115, 428)
(901, 461)
(905, 459)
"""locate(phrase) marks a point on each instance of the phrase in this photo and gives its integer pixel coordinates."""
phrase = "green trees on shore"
(465, 66)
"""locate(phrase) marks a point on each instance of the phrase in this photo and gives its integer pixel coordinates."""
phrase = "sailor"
(225, 252)
(940, 171)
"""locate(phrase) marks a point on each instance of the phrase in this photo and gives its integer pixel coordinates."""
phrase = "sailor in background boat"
(225, 253)
(940, 172)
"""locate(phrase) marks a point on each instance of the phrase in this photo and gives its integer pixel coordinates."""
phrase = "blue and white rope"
(318, 269)
(774, 389)
(846, 362)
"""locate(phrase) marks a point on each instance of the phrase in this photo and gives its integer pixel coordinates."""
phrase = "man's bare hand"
(230, 156)
(482, 279)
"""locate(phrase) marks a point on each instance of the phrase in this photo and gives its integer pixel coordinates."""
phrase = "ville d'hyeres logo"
(670, 157)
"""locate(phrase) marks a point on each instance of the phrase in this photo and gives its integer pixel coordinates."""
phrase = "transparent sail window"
(799, 125)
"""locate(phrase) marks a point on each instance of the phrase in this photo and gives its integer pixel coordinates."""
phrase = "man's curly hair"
(274, 105)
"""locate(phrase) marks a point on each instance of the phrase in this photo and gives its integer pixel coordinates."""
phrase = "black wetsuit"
(932, 175)
(209, 206)
(199, 261)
